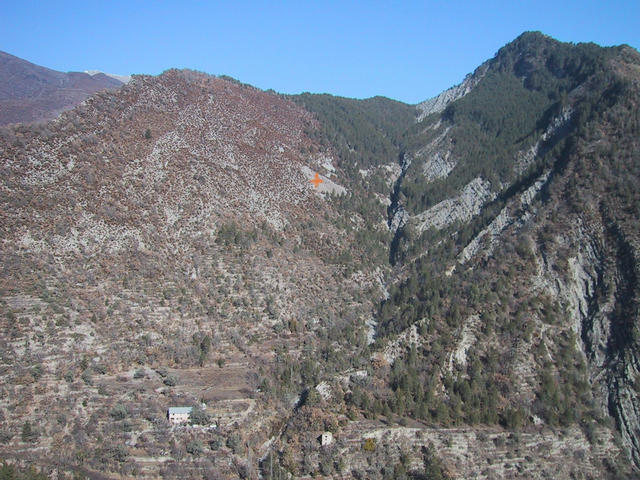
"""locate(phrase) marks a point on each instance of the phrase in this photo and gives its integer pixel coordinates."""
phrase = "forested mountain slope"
(514, 217)
(457, 299)
(518, 242)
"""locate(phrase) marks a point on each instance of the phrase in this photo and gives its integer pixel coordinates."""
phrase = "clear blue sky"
(409, 50)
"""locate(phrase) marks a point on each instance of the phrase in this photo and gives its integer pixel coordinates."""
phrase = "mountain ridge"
(31, 93)
(163, 246)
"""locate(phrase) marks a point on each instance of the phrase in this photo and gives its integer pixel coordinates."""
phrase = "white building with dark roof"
(177, 415)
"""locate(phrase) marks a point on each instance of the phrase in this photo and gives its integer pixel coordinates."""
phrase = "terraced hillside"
(164, 245)
(457, 299)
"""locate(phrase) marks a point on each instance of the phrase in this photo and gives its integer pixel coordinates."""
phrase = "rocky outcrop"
(489, 236)
(402, 343)
(467, 338)
(399, 219)
(439, 103)
(460, 208)
(558, 127)
(623, 362)
(600, 296)
(327, 185)
(438, 165)
(438, 162)
(397, 216)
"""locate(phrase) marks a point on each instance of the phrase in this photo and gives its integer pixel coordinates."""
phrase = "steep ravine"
(622, 347)
(397, 216)
(601, 291)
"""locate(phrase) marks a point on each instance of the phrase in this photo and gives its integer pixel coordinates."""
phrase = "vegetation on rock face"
(184, 277)
(525, 88)
(527, 84)
(366, 137)
(10, 472)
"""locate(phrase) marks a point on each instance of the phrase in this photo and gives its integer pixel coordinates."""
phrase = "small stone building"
(178, 415)
(326, 439)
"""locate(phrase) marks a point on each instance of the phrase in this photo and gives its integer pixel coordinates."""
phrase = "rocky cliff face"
(438, 103)
(549, 216)
(458, 298)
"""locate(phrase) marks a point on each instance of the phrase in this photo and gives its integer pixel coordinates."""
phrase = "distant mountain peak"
(31, 93)
(121, 78)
